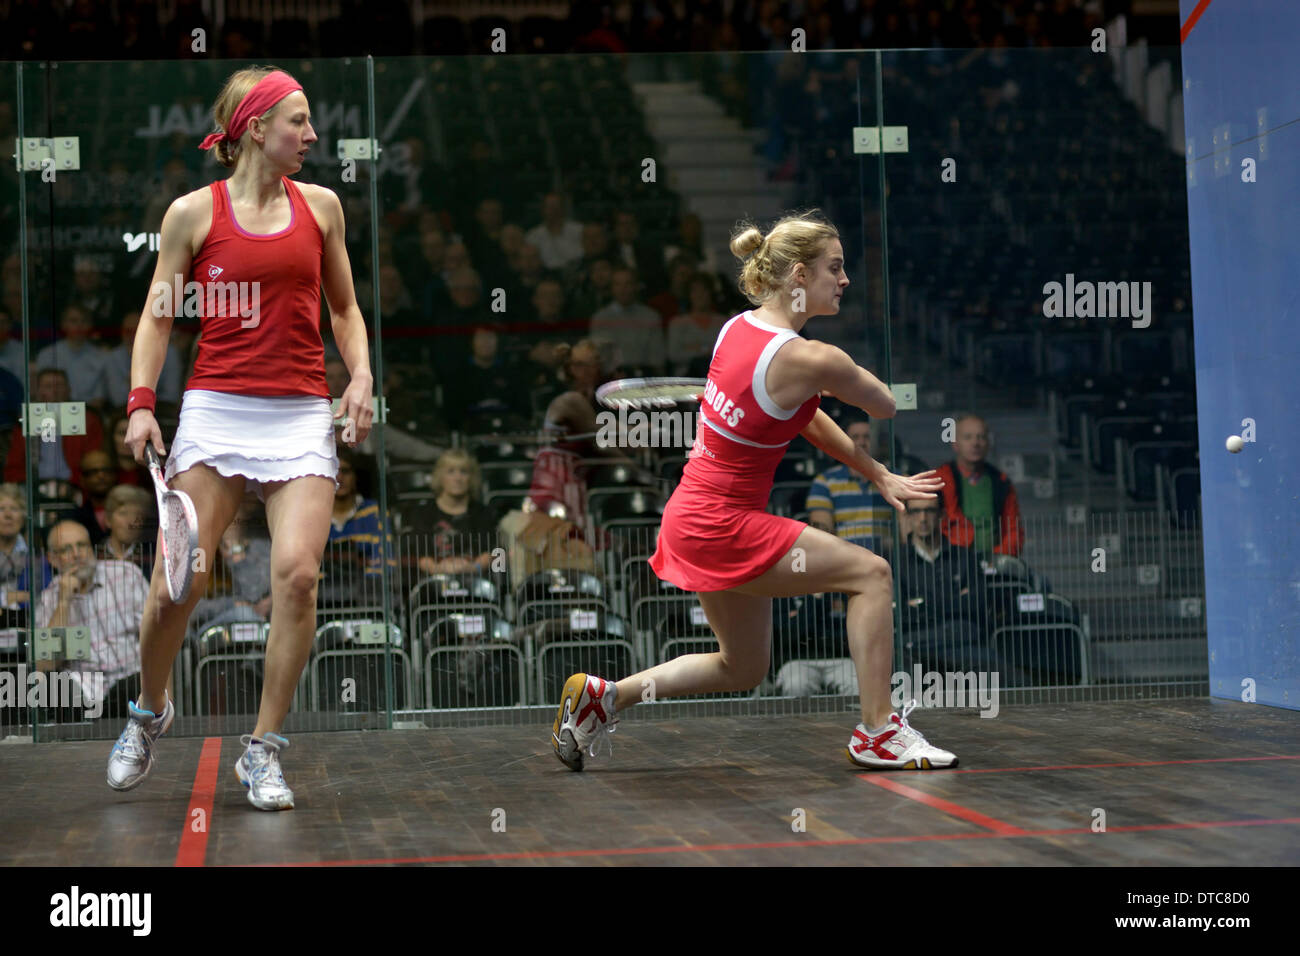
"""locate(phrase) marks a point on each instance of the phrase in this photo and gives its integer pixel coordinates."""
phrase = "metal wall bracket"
(358, 149)
(31, 153)
(54, 420)
(66, 643)
(867, 139)
(904, 396)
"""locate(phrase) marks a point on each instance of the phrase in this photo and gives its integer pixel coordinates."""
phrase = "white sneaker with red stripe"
(900, 747)
(585, 720)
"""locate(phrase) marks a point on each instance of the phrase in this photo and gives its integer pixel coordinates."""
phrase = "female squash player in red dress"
(256, 411)
(716, 538)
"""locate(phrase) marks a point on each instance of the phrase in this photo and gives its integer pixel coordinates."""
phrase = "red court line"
(1191, 20)
(194, 845)
(725, 847)
(1141, 763)
(947, 806)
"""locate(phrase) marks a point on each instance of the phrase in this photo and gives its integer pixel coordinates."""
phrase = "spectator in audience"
(14, 593)
(635, 330)
(943, 601)
(91, 291)
(130, 514)
(98, 476)
(240, 588)
(692, 334)
(117, 368)
(486, 383)
(811, 646)
(77, 356)
(453, 533)
(980, 505)
(483, 239)
(12, 359)
(355, 542)
(128, 471)
(531, 271)
(595, 245)
(107, 597)
(11, 407)
(635, 253)
(675, 299)
(433, 295)
(60, 461)
(690, 242)
(557, 238)
(593, 288)
(843, 503)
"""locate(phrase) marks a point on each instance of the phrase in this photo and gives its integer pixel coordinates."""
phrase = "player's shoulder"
(324, 202)
(192, 208)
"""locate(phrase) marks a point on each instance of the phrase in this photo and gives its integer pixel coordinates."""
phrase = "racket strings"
(175, 539)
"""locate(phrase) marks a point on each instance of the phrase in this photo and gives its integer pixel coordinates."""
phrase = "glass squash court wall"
(431, 618)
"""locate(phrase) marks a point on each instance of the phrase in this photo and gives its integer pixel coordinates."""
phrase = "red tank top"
(260, 330)
(742, 434)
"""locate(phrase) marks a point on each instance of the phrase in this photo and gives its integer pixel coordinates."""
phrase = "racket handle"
(151, 456)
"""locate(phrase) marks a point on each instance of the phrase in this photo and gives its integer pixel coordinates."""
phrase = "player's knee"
(746, 673)
(297, 581)
(873, 574)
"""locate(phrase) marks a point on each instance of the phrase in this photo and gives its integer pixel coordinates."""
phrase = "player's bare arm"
(345, 314)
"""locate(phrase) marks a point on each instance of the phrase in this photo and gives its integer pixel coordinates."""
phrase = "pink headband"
(268, 91)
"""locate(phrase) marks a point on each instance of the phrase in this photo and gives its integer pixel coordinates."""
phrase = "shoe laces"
(131, 743)
(263, 762)
(908, 729)
(601, 738)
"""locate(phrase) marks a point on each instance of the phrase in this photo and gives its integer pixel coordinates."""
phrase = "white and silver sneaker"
(585, 719)
(259, 770)
(132, 756)
(901, 747)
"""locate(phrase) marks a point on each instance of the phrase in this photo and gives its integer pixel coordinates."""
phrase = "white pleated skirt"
(263, 439)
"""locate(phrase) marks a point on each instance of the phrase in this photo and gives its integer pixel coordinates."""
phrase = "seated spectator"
(353, 565)
(844, 503)
(433, 297)
(546, 334)
(12, 358)
(14, 593)
(810, 646)
(630, 250)
(58, 468)
(943, 600)
(453, 533)
(240, 586)
(675, 299)
(78, 356)
(128, 472)
(692, 335)
(485, 383)
(635, 330)
(132, 525)
(117, 368)
(98, 476)
(107, 597)
(558, 239)
(980, 505)
(593, 288)
(690, 241)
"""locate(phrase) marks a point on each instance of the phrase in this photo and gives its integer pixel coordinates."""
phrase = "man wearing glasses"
(107, 597)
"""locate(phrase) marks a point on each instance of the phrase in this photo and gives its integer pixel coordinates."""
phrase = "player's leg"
(743, 626)
(823, 562)
(298, 516)
(216, 501)
(162, 627)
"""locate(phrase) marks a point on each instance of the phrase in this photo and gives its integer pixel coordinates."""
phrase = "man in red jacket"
(980, 506)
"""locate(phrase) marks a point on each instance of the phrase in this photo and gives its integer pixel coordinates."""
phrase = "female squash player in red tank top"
(256, 411)
(716, 538)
